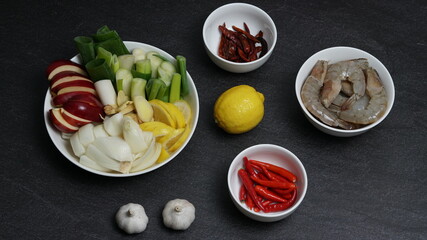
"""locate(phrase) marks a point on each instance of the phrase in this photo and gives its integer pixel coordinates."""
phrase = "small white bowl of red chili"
(267, 182)
(239, 37)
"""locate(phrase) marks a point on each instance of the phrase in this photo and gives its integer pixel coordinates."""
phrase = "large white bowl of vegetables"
(63, 143)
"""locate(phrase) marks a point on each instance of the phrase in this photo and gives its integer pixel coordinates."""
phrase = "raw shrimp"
(310, 97)
(351, 70)
(376, 106)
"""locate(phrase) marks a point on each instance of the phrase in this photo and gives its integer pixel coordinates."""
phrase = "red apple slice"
(73, 119)
(85, 106)
(77, 89)
(74, 83)
(63, 65)
(66, 76)
(59, 122)
(60, 99)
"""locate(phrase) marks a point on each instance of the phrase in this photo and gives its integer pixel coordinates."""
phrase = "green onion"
(98, 69)
(175, 89)
(110, 40)
(85, 46)
(144, 67)
(126, 80)
(138, 87)
(182, 69)
(154, 87)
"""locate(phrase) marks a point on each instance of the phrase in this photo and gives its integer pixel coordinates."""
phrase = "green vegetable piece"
(144, 67)
(153, 87)
(175, 88)
(165, 72)
(126, 77)
(182, 69)
(155, 62)
(98, 69)
(138, 87)
(115, 63)
(85, 46)
(110, 40)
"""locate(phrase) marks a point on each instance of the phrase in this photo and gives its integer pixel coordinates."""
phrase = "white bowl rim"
(353, 131)
(270, 20)
(301, 196)
(53, 132)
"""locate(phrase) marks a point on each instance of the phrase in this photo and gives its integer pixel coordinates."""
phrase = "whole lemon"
(239, 109)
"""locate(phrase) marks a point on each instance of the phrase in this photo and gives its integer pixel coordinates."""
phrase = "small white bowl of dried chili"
(239, 37)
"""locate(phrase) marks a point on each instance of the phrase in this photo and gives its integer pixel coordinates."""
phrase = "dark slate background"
(371, 186)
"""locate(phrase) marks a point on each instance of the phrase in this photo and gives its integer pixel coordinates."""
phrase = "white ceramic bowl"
(271, 154)
(64, 146)
(333, 55)
(236, 14)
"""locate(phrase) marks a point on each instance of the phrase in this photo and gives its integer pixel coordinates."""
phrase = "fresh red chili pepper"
(249, 202)
(287, 196)
(267, 194)
(283, 192)
(282, 206)
(248, 166)
(242, 193)
(266, 202)
(256, 209)
(283, 172)
(272, 184)
(267, 173)
(278, 177)
(250, 188)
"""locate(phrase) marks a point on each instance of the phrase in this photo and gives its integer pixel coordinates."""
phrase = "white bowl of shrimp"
(344, 91)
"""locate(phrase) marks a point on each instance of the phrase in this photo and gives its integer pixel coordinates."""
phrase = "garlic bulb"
(178, 214)
(132, 218)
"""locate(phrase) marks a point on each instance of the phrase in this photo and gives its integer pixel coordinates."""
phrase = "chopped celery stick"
(161, 57)
(182, 69)
(175, 90)
(126, 61)
(126, 76)
(85, 46)
(144, 67)
(119, 85)
(139, 54)
(98, 69)
(138, 87)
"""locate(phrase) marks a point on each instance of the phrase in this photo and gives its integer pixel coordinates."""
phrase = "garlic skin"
(132, 218)
(178, 214)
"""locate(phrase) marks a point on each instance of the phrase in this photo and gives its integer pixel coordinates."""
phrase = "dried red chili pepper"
(250, 188)
(248, 35)
(283, 172)
(264, 46)
(282, 206)
(272, 184)
(246, 27)
(267, 194)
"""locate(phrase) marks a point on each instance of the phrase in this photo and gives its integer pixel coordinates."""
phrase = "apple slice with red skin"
(66, 76)
(59, 122)
(85, 106)
(74, 83)
(73, 119)
(63, 65)
(59, 100)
